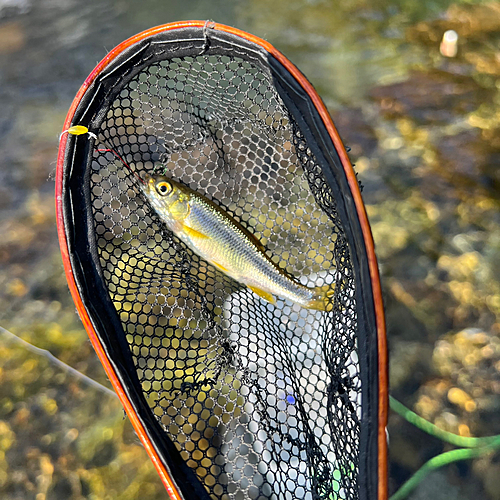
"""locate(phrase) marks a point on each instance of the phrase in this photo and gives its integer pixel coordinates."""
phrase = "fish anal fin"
(262, 293)
(193, 233)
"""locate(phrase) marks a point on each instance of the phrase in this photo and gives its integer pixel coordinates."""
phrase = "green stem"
(436, 462)
(433, 430)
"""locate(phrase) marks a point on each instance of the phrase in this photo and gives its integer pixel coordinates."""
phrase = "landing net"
(260, 401)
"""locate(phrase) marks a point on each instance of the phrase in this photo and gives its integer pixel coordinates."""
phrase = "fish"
(223, 242)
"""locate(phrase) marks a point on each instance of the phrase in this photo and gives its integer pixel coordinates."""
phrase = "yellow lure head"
(77, 130)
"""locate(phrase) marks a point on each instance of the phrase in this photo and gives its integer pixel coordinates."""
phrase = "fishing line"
(55, 361)
(82, 130)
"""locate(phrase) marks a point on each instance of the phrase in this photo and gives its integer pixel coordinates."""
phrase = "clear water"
(424, 136)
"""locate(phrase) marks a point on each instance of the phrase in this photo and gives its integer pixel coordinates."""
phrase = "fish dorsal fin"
(261, 293)
(257, 242)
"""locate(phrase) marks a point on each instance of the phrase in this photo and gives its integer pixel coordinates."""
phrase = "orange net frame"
(233, 397)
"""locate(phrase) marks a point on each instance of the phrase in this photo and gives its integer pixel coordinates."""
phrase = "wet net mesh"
(262, 401)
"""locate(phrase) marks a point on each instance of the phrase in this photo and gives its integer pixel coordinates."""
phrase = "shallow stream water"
(424, 132)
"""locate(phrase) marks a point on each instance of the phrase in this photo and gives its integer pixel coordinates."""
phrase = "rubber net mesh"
(262, 401)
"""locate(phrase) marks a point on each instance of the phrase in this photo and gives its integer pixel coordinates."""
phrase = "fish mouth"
(148, 182)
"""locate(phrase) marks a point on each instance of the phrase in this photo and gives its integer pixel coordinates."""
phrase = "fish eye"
(163, 188)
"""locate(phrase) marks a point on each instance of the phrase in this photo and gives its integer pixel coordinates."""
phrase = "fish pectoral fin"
(193, 233)
(261, 293)
(218, 266)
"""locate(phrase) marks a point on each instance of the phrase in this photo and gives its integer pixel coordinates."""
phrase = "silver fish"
(219, 239)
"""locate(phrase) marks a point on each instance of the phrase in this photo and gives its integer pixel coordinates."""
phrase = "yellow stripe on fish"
(219, 239)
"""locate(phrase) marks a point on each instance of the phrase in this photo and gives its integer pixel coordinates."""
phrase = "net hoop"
(162, 469)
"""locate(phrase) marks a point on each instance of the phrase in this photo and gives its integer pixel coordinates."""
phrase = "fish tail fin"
(322, 300)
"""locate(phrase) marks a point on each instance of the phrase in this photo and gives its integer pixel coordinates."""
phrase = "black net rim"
(177, 477)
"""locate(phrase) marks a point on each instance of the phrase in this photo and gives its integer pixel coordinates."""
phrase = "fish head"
(169, 198)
